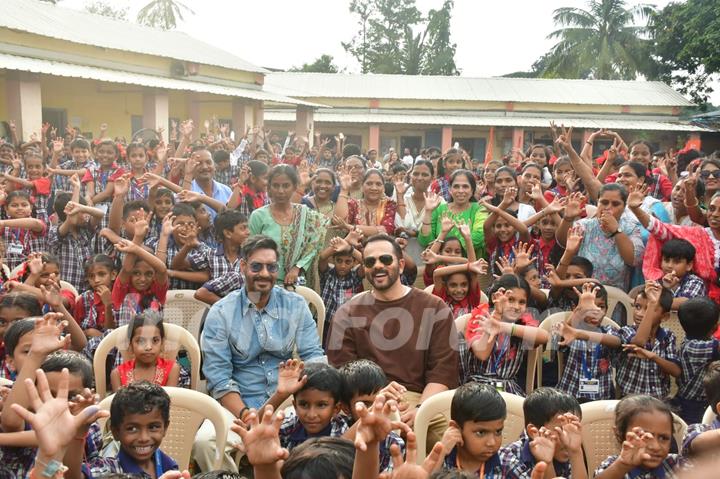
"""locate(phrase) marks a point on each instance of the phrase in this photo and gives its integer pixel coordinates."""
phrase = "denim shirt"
(243, 345)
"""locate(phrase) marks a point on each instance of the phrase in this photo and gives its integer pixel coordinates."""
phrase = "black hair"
(451, 474)
(218, 475)
(15, 331)
(426, 163)
(25, 301)
(325, 378)
(81, 143)
(677, 248)
(356, 157)
(257, 168)
(601, 292)
(373, 171)
(631, 406)
(527, 166)
(20, 194)
(452, 152)
(615, 187)
(477, 402)
(320, 458)
(699, 317)
(61, 201)
(134, 146)
(165, 192)
(508, 281)
(471, 179)
(543, 404)
(286, 170)
(47, 258)
(450, 239)
(74, 362)
(148, 317)
(666, 298)
(120, 475)
(584, 264)
(327, 171)
(546, 149)
(711, 384)
(140, 397)
(257, 242)
(183, 209)
(351, 150)
(133, 206)
(639, 169)
(399, 168)
(641, 142)
(109, 143)
(385, 237)
(100, 260)
(220, 155)
(226, 221)
(361, 377)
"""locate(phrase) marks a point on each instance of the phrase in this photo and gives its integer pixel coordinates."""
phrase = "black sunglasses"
(707, 174)
(256, 267)
(386, 259)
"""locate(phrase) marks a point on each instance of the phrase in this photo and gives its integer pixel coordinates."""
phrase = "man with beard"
(199, 174)
(246, 336)
(409, 333)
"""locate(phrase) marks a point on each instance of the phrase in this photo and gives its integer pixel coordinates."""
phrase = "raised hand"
(122, 185)
(451, 438)
(167, 224)
(75, 182)
(125, 246)
(432, 200)
(478, 267)
(46, 336)
(408, 469)
(51, 296)
(608, 222)
(375, 424)
(345, 180)
(536, 192)
(509, 197)
(542, 446)
(339, 244)
(635, 351)
(429, 257)
(567, 333)
(570, 433)
(634, 448)
(574, 239)
(670, 280)
(573, 207)
(464, 229)
(446, 224)
(261, 440)
(355, 237)
(400, 189)
(290, 377)
(72, 208)
(636, 196)
(505, 266)
(523, 254)
(35, 263)
(586, 297)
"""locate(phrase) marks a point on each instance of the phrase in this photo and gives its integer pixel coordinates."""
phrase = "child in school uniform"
(703, 439)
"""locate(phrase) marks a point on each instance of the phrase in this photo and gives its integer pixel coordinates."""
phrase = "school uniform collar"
(301, 435)
(128, 464)
(658, 472)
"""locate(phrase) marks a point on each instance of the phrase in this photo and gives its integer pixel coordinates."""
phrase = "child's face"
(239, 233)
(183, 225)
(516, 305)
(137, 159)
(561, 453)
(451, 248)
(100, 275)
(660, 426)
(163, 205)
(315, 409)
(640, 309)
(19, 207)
(575, 272)
(503, 230)
(6, 153)
(202, 217)
(343, 264)
(533, 278)
(561, 173)
(75, 383)
(537, 155)
(142, 276)
(105, 155)
(222, 165)
(482, 439)
(457, 286)
(8, 315)
(367, 399)
(259, 183)
(146, 344)
(132, 218)
(452, 163)
(17, 360)
(681, 267)
(548, 226)
(50, 275)
(503, 181)
(140, 435)
(595, 320)
(34, 168)
(80, 155)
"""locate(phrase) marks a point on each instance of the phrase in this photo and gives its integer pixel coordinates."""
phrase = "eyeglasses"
(707, 174)
(386, 259)
(271, 268)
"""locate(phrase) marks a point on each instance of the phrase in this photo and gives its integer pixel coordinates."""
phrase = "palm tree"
(603, 42)
(162, 14)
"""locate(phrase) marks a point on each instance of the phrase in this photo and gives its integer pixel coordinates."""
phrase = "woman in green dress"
(298, 230)
(463, 209)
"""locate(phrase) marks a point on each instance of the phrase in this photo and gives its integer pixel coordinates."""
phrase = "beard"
(385, 282)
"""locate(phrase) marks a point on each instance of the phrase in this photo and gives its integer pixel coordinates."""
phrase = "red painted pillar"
(374, 138)
(446, 143)
(518, 138)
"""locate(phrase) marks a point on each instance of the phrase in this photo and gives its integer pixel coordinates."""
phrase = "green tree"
(99, 7)
(605, 41)
(163, 14)
(323, 64)
(394, 37)
(686, 39)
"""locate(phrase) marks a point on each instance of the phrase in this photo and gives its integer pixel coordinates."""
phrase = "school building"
(69, 67)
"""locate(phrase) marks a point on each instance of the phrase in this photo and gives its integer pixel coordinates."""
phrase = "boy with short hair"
(474, 436)
(704, 438)
(341, 280)
(231, 228)
(80, 163)
(139, 410)
(317, 407)
(225, 172)
(546, 409)
(678, 257)
(699, 319)
(363, 380)
(649, 356)
(571, 272)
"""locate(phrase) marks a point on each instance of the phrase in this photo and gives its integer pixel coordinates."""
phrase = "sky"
(493, 37)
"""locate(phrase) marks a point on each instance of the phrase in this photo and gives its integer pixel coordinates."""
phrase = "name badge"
(500, 386)
(15, 248)
(589, 386)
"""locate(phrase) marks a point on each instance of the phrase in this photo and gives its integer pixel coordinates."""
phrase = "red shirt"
(120, 290)
(41, 186)
(463, 306)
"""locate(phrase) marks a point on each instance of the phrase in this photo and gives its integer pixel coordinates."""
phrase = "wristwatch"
(612, 235)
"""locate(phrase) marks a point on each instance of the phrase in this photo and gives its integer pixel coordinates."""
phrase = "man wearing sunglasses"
(246, 336)
(409, 333)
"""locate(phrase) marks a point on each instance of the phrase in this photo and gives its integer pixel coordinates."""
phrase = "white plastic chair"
(313, 299)
(183, 309)
(618, 296)
(188, 410)
(515, 419)
(176, 338)
(709, 416)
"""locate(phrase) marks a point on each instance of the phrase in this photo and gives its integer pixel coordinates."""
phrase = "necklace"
(285, 219)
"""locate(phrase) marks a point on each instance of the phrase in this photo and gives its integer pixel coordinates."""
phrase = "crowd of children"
(95, 233)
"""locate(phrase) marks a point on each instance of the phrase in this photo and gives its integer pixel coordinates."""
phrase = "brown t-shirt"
(413, 338)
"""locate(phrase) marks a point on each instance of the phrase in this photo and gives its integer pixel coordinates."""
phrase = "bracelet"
(428, 224)
(54, 468)
(589, 142)
(242, 411)
(697, 202)
(344, 196)
(512, 330)
(163, 251)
